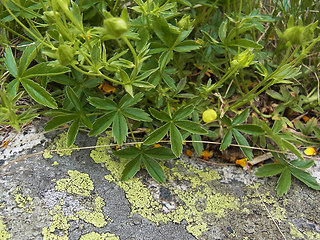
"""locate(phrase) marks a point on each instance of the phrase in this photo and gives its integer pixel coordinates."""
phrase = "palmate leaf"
(160, 115)
(102, 123)
(103, 103)
(241, 117)
(10, 63)
(160, 153)
(241, 140)
(175, 140)
(28, 55)
(157, 135)
(127, 153)
(226, 141)
(59, 120)
(305, 177)
(250, 129)
(269, 170)
(38, 93)
(284, 182)
(190, 126)
(183, 112)
(45, 69)
(73, 132)
(136, 114)
(119, 128)
(154, 169)
(73, 98)
(131, 168)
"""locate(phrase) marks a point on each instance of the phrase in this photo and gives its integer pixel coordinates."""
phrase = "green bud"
(294, 35)
(114, 27)
(184, 23)
(65, 54)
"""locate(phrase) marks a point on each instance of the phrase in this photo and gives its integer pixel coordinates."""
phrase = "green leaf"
(28, 55)
(160, 115)
(269, 170)
(96, 55)
(223, 30)
(73, 98)
(60, 120)
(241, 140)
(124, 77)
(128, 101)
(127, 153)
(131, 168)
(157, 135)
(103, 103)
(198, 146)
(13, 87)
(209, 38)
(175, 140)
(245, 43)
(284, 182)
(145, 74)
(187, 46)
(302, 164)
(164, 59)
(183, 112)
(169, 81)
(277, 126)
(154, 169)
(38, 93)
(10, 63)
(73, 132)
(226, 141)
(160, 153)
(45, 69)
(102, 123)
(305, 177)
(292, 149)
(190, 126)
(119, 128)
(86, 121)
(250, 129)
(162, 30)
(136, 114)
(241, 117)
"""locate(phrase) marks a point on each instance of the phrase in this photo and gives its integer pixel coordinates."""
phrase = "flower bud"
(184, 23)
(114, 27)
(209, 115)
(65, 54)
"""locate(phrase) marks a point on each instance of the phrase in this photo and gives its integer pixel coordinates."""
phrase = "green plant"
(167, 63)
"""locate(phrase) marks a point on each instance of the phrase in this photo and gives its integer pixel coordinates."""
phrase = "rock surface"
(77, 195)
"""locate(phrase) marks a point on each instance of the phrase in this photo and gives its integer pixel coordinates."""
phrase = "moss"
(60, 142)
(98, 236)
(22, 201)
(78, 183)
(197, 199)
(4, 235)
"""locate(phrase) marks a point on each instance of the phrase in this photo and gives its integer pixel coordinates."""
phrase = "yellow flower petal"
(209, 115)
(310, 151)
(242, 162)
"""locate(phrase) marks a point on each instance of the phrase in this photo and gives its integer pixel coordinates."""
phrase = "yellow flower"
(310, 151)
(209, 115)
(206, 155)
(242, 162)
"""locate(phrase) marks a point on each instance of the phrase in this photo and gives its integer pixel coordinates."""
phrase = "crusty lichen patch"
(196, 197)
(23, 201)
(60, 142)
(59, 227)
(78, 183)
(98, 236)
(4, 235)
(96, 216)
(296, 234)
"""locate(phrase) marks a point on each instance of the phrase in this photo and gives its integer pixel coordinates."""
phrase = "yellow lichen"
(60, 142)
(4, 235)
(296, 234)
(55, 163)
(98, 236)
(144, 203)
(23, 201)
(95, 218)
(59, 223)
(78, 183)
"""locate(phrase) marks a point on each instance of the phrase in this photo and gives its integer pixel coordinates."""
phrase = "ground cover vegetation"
(239, 74)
